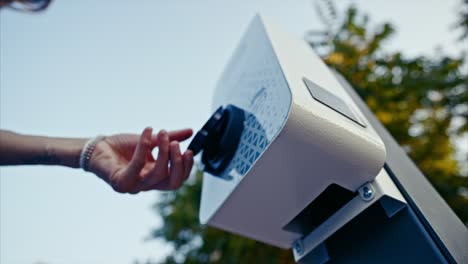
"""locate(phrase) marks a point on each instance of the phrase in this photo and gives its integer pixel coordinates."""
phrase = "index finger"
(176, 135)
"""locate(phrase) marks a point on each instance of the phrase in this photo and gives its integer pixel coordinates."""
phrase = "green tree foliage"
(195, 243)
(462, 22)
(422, 101)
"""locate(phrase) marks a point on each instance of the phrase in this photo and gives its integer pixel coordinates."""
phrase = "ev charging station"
(293, 158)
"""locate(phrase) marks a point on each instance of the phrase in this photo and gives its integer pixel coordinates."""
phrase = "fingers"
(160, 170)
(180, 169)
(180, 135)
(171, 178)
(176, 135)
(130, 175)
(177, 166)
(140, 176)
(188, 163)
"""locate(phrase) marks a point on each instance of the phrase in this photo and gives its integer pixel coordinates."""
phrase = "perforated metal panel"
(254, 82)
(252, 144)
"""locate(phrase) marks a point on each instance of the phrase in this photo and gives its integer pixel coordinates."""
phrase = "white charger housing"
(302, 133)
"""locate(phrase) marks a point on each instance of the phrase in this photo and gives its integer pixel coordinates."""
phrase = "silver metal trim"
(382, 190)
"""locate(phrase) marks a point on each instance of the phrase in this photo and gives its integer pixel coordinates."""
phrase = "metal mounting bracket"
(311, 247)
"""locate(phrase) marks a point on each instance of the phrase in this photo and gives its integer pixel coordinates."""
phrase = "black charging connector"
(219, 138)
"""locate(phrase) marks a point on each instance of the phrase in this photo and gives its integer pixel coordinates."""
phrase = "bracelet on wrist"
(88, 150)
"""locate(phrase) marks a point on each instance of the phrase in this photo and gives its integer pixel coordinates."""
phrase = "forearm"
(17, 149)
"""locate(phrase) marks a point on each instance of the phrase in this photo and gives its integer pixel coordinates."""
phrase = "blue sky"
(84, 68)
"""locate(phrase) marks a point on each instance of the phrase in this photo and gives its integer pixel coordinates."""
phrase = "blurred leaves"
(422, 101)
(196, 243)
(462, 22)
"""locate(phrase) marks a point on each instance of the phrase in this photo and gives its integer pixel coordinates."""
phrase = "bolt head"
(298, 247)
(367, 192)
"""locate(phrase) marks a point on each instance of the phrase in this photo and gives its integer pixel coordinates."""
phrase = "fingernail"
(175, 145)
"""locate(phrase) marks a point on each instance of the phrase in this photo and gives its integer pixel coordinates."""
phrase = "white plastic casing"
(294, 146)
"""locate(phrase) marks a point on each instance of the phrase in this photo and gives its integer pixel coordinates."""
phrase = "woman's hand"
(125, 161)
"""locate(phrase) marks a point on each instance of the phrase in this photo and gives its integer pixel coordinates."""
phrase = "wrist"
(65, 152)
(87, 151)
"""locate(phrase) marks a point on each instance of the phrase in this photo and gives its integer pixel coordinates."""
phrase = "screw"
(298, 247)
(367, 192)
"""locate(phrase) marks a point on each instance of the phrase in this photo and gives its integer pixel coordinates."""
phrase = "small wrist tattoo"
(47, 157)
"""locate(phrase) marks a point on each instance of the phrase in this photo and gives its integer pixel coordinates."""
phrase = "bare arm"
(17, 149)
(124, 161)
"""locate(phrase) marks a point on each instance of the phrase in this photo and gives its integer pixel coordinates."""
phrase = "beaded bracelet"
(88, 150)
